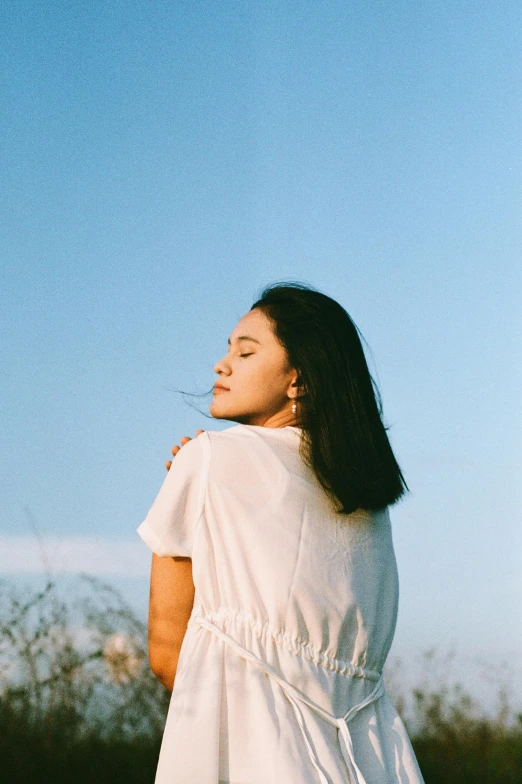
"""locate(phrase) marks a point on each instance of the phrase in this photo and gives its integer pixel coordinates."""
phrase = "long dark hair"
(344, 439)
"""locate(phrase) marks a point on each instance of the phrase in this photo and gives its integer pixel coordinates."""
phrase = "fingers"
(184, 440)
(175, 449)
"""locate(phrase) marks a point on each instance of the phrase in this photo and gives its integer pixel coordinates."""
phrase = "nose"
(221, 367)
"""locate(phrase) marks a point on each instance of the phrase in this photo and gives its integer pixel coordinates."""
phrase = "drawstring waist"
(296, 697)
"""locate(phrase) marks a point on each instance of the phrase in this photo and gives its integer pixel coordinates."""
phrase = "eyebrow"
(245, 337)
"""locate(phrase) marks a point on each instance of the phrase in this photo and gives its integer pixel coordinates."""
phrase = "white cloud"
(74, 554)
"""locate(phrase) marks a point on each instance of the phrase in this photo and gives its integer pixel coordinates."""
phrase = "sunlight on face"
(259, 383)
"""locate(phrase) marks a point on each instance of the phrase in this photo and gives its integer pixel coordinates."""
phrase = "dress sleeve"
(170, 525)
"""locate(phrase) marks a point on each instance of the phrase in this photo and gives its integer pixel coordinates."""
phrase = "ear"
(296, 385)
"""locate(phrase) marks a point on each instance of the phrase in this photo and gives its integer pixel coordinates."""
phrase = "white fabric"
(279, 677)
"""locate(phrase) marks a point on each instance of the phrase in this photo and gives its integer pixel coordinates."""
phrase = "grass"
(78, 702)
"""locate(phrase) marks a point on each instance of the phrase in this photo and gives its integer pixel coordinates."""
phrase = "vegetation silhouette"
(78, 701)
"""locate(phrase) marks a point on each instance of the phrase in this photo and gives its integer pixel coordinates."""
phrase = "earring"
(294, 407)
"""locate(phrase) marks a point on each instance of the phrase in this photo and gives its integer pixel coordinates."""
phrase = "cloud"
(74, 554)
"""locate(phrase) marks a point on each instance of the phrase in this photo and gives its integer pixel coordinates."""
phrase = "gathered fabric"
(296, 697)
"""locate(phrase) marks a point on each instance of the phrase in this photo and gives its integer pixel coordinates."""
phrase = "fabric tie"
(295, 696)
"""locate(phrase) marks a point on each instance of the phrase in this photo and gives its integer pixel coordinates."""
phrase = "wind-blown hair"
(344, 439)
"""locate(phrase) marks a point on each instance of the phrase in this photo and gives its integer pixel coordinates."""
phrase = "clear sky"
(162, 161)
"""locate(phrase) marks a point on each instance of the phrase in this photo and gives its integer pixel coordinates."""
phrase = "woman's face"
(259, 385)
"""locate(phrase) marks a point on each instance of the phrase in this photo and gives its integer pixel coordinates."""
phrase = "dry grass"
(79, 703)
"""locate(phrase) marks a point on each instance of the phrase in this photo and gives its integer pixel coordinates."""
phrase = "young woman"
(274, 587)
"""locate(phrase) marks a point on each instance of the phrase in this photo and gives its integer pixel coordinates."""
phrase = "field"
(78, 702)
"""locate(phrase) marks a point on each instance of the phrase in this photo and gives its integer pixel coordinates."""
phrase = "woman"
(274, 586)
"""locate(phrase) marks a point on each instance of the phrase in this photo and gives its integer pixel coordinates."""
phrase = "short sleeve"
(170, 525)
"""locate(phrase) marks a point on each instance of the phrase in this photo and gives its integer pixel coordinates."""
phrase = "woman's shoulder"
(246, 441)
(252, 434)
(233, 438)
(253, 456)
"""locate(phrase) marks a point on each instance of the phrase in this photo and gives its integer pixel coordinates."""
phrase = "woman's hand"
(175, 449)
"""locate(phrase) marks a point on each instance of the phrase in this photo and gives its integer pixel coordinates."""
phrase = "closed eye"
(246, 355)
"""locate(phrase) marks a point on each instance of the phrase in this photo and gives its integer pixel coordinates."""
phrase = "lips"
(219, 388)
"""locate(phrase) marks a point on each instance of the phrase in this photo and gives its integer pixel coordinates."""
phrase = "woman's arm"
(170, 605)
(171, 601)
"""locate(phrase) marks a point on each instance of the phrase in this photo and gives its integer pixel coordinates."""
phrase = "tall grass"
(454, 738)
(78, 702)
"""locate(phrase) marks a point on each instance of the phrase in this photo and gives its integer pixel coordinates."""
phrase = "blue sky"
(162, 162)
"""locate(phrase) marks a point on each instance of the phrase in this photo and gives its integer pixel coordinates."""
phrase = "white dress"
(279, 675)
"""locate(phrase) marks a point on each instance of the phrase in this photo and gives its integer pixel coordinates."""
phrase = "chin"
(219, 412)
(225, 417)
(225, 412)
